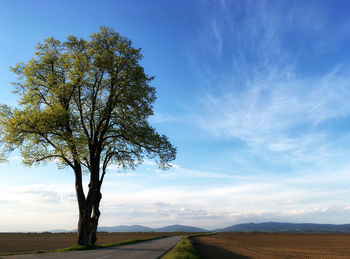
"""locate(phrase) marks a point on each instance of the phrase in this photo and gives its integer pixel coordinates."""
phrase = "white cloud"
(267, 112)
(255, 89)
(177, 171)
(114, 167)
(37, 207)
(266, 94)
(149, 162)
(272, 197)
(133, 199)
(162, 118)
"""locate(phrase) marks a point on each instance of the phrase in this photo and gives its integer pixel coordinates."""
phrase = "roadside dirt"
(273, 246)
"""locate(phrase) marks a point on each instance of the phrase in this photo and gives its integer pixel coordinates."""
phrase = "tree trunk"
(87, 225)
(95, 217)
(89, 212)
(83, 228)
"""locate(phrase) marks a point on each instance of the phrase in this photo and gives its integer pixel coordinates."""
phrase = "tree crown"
(83, 101)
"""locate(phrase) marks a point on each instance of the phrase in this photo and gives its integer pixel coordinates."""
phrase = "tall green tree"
(84, 104)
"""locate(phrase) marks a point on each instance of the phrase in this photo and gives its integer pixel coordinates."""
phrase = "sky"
(254, 95)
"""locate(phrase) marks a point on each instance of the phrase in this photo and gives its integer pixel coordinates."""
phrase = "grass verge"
(80, 248)
(183, 250)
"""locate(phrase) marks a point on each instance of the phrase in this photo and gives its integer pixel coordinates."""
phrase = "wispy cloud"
(149, 198)
(37, 207)
(272, 198)
(308, 197)
(266, 135)
(265, 92)
(162, 118)
(278, 114)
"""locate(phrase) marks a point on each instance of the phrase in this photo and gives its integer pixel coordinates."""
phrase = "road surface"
(142, 250)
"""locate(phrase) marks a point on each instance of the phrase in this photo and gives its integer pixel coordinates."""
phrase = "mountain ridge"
(139, 228)
(268, 227)
(282, 227)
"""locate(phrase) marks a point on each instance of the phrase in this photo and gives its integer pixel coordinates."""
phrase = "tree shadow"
(206, 251)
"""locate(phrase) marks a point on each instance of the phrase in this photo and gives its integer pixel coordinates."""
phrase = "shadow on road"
(206, 251)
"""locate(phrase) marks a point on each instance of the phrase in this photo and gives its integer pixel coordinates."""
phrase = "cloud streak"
(261, 129)
(136, 199)
(263, 92)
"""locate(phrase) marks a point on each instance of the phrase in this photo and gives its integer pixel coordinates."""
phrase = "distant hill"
(122, 228)
(287, 228)
(179, 228)
(248, 227)
(60, 231)
(138, 228)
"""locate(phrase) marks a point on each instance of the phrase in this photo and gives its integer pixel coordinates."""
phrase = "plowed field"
(273, 245)
(20, 242)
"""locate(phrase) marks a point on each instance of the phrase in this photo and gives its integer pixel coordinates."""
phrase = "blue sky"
(254, 95)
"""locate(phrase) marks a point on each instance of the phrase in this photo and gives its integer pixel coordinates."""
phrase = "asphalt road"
(143, 250)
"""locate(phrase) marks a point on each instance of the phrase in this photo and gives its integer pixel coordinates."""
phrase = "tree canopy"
(78, 95)
(84, 104)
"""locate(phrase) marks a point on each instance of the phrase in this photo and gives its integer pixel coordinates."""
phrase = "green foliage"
(84, 102)
(183, 250)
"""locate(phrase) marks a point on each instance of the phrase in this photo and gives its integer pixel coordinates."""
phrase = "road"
(142, 250)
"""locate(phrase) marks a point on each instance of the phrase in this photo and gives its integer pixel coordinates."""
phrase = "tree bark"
(88, 222)
(83, 228)
(89, 212)
(95, 217)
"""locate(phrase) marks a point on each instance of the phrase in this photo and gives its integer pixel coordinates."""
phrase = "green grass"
(183, 250)
(80, 248)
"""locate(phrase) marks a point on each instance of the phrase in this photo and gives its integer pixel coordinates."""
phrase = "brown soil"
(273, 245)
(23, 242)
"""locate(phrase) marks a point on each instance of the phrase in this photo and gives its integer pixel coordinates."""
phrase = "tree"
(84, 104)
